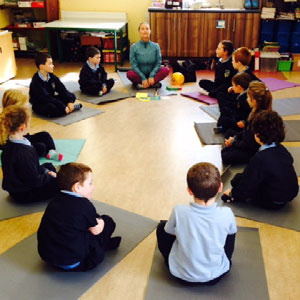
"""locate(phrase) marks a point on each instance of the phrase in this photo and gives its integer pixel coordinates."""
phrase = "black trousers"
(235, 156)
(165, 242)
(52, 109)
(42, 142)
(95, 89)
(38, 194)
(97, 247)
(207, 85)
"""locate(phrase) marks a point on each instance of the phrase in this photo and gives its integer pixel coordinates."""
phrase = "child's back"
(198, 252)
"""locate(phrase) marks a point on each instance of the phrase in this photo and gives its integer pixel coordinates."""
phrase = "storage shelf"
(24, 28)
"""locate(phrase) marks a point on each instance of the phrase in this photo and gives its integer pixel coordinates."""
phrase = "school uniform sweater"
(243, 108)
(63, 235)
(268, 178)
(42, 92)
(92, 80)
(22, 171)
(198, 254)
(145, 59)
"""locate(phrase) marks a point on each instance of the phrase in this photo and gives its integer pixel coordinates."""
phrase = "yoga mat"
(132, 91)
(69, 148)
(114, 95)
(292, 130)
(287, 107)
(25, 275)
(212, 110)
(73, 117)
(10, 209)
(246, 279)
(287, 217)
(206, 133)
(277, 84)
(200, 97)
(295, 151)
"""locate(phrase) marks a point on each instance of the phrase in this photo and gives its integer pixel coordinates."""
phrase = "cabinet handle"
(233, 26)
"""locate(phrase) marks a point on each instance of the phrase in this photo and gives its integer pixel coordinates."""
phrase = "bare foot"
(71, 107)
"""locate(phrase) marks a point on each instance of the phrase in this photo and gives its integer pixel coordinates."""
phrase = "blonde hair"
(14, 97)
(11, 118)
(259, 92)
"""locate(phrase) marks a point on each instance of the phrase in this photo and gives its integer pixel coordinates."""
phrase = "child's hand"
(240, 124)
(230, 89)
(229, 141)
(227, 192)
(145, 84)
(70, 106)
(151, 81)
(104, 90)
(53, 174)
(98, 228)
(227, 197)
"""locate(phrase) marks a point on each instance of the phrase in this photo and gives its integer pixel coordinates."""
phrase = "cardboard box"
(296, 64)
(22, 40)
(23, 47)
(24, 3)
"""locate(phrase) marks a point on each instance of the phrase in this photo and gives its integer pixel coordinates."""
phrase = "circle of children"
(197, 241)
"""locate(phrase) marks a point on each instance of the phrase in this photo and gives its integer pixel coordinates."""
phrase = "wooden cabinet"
(195, 34)
(34, 12)
(8, 63)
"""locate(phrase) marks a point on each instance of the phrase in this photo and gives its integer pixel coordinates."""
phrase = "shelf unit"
(43, 11)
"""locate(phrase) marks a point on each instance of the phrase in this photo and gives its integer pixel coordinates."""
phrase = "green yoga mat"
(69, 148)
(246, 279)
(25, 276)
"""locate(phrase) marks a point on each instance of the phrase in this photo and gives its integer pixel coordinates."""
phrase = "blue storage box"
(284, 25)
(284, 47)
(295, 48)
(282, 37)
(266, 36)
(267, 26)
(295, 37)
(296, 26)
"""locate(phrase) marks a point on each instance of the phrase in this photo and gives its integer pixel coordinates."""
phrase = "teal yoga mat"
(25, 276)
(69, 148)
(246, 279)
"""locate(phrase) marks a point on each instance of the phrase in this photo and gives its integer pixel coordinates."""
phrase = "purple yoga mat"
(277, 84)
(200, 97)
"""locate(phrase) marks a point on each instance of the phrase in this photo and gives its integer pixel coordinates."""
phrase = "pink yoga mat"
(277, 84)
(200, 97)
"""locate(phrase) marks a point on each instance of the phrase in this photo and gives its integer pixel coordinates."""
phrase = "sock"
(52, 154)
(77, 106)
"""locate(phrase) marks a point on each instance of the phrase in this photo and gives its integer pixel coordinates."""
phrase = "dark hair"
(92, 51)
(259, 92)
(242, 79)
(41, 58)
(227, 46)
(242, 55)
(204, 180)
(269, 127)
(71, 173)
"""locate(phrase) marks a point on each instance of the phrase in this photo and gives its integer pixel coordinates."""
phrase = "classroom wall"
(137, 10)
(4, 18)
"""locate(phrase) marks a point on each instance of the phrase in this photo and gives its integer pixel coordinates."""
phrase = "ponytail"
(11, 119)
(259, 92)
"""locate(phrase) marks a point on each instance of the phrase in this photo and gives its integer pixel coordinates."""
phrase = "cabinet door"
(158, 24)
(245, 29)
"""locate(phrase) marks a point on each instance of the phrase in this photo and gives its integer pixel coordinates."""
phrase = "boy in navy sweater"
(93, 78)
(48, 95)
(197, 241)
(269, 180)
(224, 71)
(72, 235)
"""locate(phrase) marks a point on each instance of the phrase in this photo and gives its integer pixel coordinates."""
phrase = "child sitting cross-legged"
(269, 180)
(48, 95)
(23, 176)
(72, 235)
(41, 141)
(93, 78)
(197, 241)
